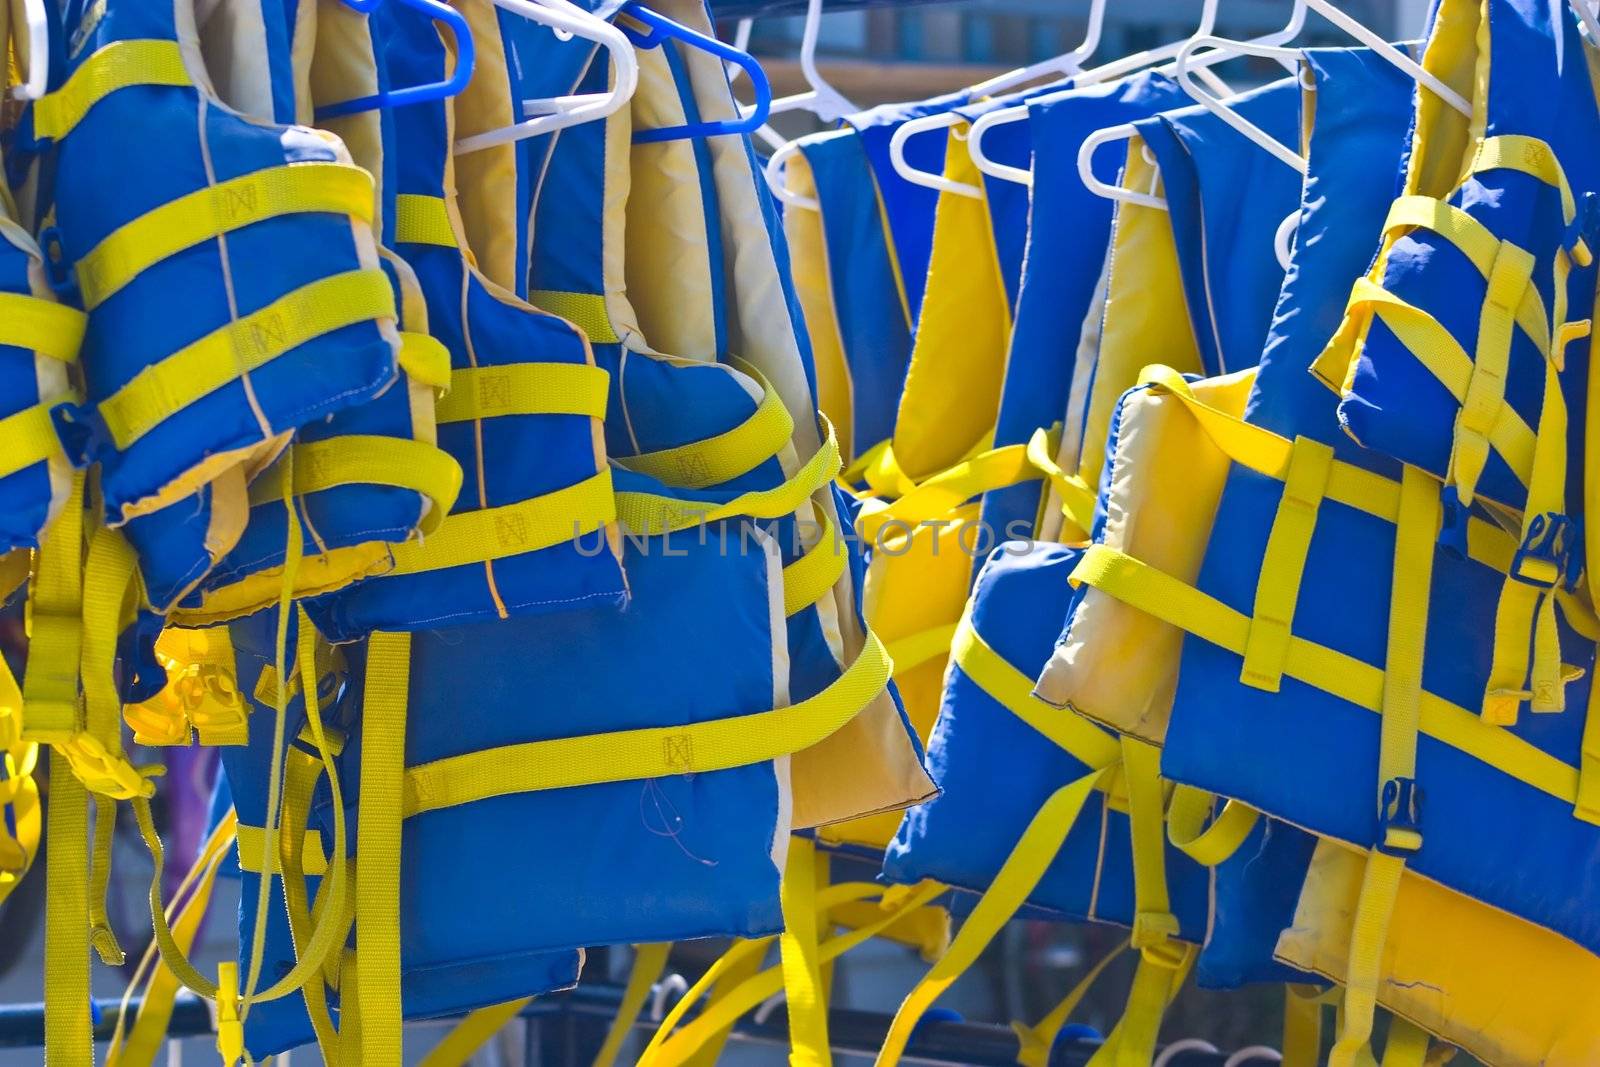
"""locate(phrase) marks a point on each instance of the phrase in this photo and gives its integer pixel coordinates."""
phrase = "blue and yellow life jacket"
(254, 344)
(1393, 622)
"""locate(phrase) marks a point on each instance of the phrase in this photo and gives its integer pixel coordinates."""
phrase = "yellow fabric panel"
(1445, 966)
(914, 583)
(342, 68)
(808, 255)
(486, 180)
(1119, 666)
(1146, 316)
(666, 259)
(958, 360)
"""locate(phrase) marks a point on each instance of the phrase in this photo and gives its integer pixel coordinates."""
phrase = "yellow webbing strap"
(68, 1030)
(1283, 563)
(300, 775)
(994, 469)
(472, 1033)
(1587, 804)
(101, 937)
(244, 345)
(724, 456)
(586, 311)
(995, 675)
(651, 513)
(1207, 845)
(914, 650)
(383, 738)
(1480, 407)
(1361, 684)
(655, 752)
(1154, 925)
(205, 214)
(138, 1047)
(29, 436)
(799, 946)
(1302, 1025)
(42, 326)
(1036, 1041)
(649, 960)
(366, 459)
(116, 66)
(20, 811)
(1077, 496)
(673, 1049)
(253, 851)
(96, 754)
(745, 968)
(1439, 351)
(1530, 155)
(524, 389)
(494, 533)
(1526, 608)
(1479, 245)
(50, 705)
(811, 577)
(1008, 892)
(425, 359)
(423, 220)
(1406, 1045)
(1415, 532)
(1132, 1041)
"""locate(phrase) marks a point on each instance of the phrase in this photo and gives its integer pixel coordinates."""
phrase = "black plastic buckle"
(1551, 553)
(1400, 824)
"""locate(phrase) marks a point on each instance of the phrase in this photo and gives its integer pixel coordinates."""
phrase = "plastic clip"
(1456, 516)
(1551, 553)
(1399, 825)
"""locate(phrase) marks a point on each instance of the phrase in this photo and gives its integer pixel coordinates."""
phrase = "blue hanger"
(466, 57)
(663, 29)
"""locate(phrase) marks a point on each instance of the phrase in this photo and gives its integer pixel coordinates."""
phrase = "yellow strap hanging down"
(799, 946)
(68, 1030)
(473, 1032)
(1187, 814)
(649, 961)
(1036, 1041)
(1415, 532)
(1302, 1025)
(1016, 879)
(383, 735)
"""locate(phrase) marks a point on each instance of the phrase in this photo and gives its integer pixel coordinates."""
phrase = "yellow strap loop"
(42, 326)
(1530, 155)
(253, 856)
(913, 650)
(527, 526)
(651, 513)
(991, 672)
(1207, 845)
(811, 577)
(423, 220)
(118, 65)
(28, 437)
(586, 311)
(244, 345)
(360, 459)
(524, 389)
(425, 359)
(994, 469)
(649, 960)
(656, 752)
(724, 456)
(1283, 564)
(1078, 497)
(205, 214)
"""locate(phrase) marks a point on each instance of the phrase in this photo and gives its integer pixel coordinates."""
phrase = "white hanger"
(560, 112)
(773, 172)
(1265, 1053)
(38, 79)
(1103, 73)
(1188, 1044)
(1067, 63)
(822, 99)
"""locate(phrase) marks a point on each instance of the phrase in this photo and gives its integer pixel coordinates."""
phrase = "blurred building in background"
(900, 52)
